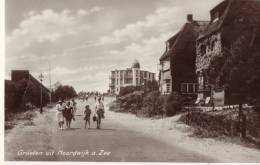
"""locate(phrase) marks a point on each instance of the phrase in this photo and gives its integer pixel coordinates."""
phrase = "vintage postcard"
(170, 81)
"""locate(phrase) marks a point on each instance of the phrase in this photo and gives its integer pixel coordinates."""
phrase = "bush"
(173, 104)
(21, 93)
(128, 90)
(131, 102)
(152, 104)
(64, 92)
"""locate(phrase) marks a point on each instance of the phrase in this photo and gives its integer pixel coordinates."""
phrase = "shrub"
(152, 104)
(128, 89)
(173, 104)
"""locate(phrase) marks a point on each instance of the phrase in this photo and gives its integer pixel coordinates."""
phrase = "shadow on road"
(72, 129)
(101, 129)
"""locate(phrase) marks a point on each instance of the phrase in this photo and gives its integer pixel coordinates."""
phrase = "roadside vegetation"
(146, 101)
(22, 98)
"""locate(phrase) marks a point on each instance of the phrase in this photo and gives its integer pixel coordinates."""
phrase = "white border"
(2, 78)
(2, 71)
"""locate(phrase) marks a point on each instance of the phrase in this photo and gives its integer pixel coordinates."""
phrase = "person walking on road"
(99, 111)
(87, 114)
(74, 106)
(100, 106)
(59, 114)
(68, 114)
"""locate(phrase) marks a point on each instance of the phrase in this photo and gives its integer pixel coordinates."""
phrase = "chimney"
(189, 18)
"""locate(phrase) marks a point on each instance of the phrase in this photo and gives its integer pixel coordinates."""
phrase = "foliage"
(153, 104)
(141, 101)
(64, 92)
(18, 94)
(213, 124)
(173, 104)
(128, 89)
(152, 86)
(238, 68)
(131, 102)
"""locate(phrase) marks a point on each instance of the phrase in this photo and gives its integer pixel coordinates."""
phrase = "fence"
(217, 108)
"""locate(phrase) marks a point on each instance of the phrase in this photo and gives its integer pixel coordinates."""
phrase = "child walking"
(87, 113)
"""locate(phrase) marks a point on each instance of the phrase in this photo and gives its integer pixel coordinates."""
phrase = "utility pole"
(41, 78)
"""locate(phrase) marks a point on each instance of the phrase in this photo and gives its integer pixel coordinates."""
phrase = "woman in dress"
(59, 114)
(68, 114)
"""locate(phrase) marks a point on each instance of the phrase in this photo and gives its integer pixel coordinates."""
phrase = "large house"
(178, 61)
(229, 20)
(133, 76)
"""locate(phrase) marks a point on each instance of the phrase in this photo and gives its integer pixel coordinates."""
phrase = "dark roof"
(17, 75)
(188, 33)
(36, 82)
(171, 41)
(228, 10)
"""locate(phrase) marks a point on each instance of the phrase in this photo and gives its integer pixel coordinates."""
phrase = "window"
(203, 49)
(212, 45)
(188, 88)
(167, 80)
(168, 87)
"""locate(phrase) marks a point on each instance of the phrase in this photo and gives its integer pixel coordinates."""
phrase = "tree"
(238, 70)
(64, 92)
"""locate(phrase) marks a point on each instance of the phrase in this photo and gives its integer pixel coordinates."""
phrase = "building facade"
(133, 76)
(165, 78)
(229, 20)
(178, 61)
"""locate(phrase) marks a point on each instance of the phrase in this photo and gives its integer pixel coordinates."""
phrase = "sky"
(80, 41)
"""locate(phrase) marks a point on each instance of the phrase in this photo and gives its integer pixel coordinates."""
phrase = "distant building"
(228, 20)
(133, 76)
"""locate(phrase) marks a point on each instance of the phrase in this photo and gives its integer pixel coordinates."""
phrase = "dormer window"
(167, 46)
(216, 17)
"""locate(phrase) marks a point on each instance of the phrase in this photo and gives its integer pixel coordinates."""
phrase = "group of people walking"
(66, 112)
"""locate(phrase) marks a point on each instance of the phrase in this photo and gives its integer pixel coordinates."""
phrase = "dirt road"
(113, 142)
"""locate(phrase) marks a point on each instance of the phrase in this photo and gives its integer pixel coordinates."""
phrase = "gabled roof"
(171, 41)
(188, 33)
(228, 10)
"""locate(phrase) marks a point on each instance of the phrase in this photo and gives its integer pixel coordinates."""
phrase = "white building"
(129, 77)
(165, 77)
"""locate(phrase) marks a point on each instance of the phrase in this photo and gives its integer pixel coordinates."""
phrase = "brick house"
(228, 20)
(183, 56)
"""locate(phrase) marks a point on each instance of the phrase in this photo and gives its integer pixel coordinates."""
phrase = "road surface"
(113, 142)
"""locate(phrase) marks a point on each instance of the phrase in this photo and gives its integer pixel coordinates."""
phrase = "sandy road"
(113, 142)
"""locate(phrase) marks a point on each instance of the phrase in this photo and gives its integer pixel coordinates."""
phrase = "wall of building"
(165, 78)
(206, 50)
(213, 47)
(128, 77)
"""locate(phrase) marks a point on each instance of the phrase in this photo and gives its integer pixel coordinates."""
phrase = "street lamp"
(41, 78)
